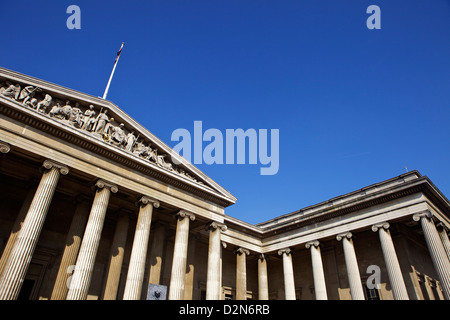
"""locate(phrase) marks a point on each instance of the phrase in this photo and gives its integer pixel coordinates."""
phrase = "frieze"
(92, 120)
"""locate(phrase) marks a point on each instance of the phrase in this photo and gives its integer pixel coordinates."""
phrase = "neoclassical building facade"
(94, 206)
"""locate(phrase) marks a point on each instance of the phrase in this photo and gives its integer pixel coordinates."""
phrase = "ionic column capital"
(314, 243)
(223, 244)
(216, 225)
(385, 225)
(49, 164)
(287, 251)
(240, 251)
(341, 236)
(145, 200)
(185, 214)
(425, 214)
(262, 257)
(4, 147)
(101, 184)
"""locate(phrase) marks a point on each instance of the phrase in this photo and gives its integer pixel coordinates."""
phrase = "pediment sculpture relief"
(93, 121)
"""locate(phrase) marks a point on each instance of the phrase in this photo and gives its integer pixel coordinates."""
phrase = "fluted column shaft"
(263, 286)
(22, 251)
(392, 265)
(116, 258)
(437, 252)
(444, 238)
(223, 246)
(81, 279)
(136, 268)
(73, 242)
(177, 277)
(213, 277)
(318, 274)
(288, 272)
(241, 273)
(354, 277)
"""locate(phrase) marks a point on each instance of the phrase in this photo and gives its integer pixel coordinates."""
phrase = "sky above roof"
(353, 106)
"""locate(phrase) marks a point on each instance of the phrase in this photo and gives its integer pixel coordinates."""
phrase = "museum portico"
(94, 206)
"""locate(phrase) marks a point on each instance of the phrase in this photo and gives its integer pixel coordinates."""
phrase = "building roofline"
(387, 190)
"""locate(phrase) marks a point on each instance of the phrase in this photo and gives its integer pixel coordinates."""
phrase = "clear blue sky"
(354, 106)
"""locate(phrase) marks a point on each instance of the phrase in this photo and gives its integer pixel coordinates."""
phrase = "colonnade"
(83, 241)
(86, 228)
(437, 243)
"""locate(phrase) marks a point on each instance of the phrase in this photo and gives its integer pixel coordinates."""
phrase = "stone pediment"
(103, 121)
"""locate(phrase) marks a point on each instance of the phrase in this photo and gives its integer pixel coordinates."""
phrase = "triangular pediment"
(104, 123)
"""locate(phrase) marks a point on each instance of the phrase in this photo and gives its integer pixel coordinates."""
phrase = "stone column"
(390, 258)
(288, 272)
(437, 252)
(177, 276)
(116, 257)
(444, 237)
(136, 268)
(16, 228)
(84, 267)
(241, 273)
(22, 251)
(69, 257)
(213, 278)
(354, 277)
(6, 148)
(317, 266)
(263, 286)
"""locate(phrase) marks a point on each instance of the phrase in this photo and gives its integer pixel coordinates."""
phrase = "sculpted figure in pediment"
(66, 110)
(101, 121)
(55, 111)
(11, 91)
(109, 129)
(130, 140)
(88, 119)
(75, 116)
(32, 103)
(153, 156)
(118, 136)
(162, 162)
(142, 150)
(186, 174)
(44, 104)
(28, 93)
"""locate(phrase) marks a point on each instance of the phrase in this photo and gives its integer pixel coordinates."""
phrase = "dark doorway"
(26, 290)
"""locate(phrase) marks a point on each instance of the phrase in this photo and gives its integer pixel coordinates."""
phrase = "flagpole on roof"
(113, 70)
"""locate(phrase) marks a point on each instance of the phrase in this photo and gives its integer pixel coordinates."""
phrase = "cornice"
(297, 221)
